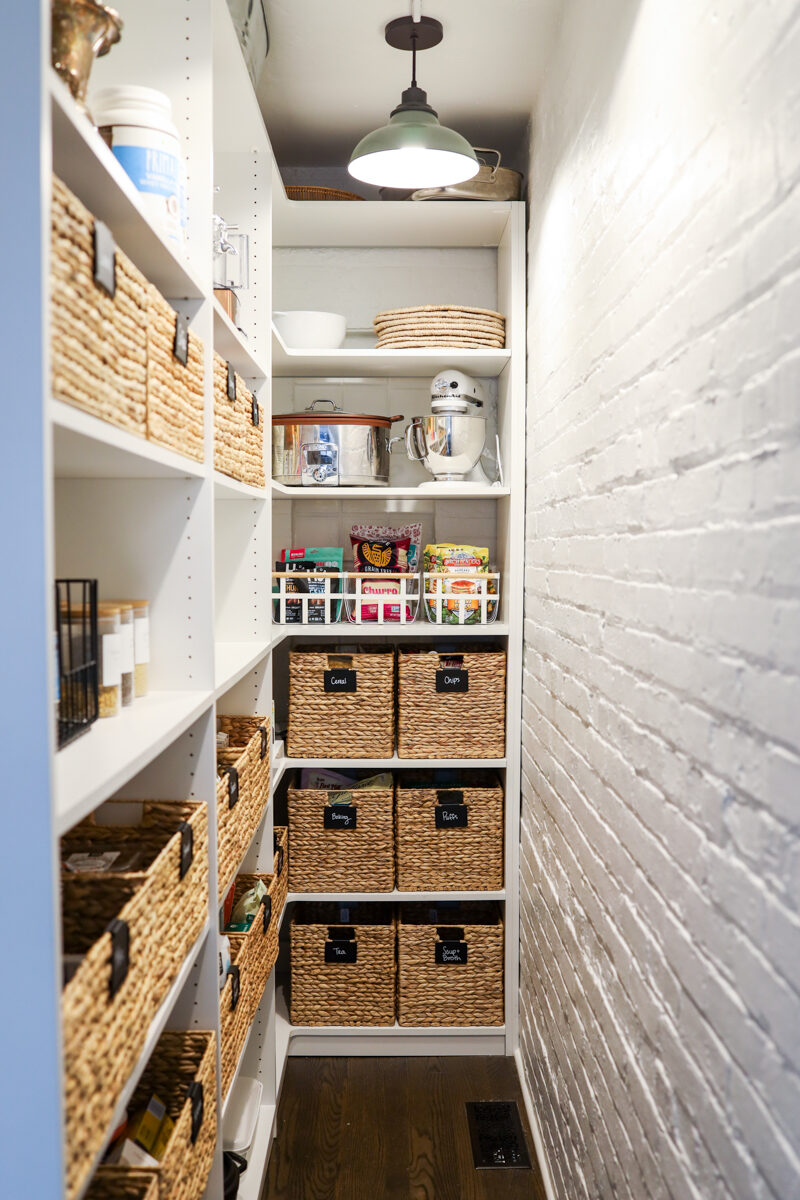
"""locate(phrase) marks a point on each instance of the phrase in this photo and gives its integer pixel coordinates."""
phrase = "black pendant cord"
(413, 60)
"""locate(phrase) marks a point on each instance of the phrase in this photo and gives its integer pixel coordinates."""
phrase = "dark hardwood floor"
(390, 1129)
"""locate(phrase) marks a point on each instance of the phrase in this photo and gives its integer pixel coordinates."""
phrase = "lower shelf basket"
(343, 965)
(110, 1183)
(342, 841)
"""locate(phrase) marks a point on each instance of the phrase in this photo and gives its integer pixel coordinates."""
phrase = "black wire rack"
(76, 650)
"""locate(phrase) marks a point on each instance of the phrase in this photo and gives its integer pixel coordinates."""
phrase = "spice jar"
(141, 646)
(109, 641)
(126, 653)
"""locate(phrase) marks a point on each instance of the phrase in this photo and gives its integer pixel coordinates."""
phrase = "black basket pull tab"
(233, 786)
(279, 852)
(264, 741)
(266, 904)
(180, 346)
(254, 413)
(236, 985)
(105, 259)
(231, 385)
(187, 847)
(120, 953)
(194, 1093)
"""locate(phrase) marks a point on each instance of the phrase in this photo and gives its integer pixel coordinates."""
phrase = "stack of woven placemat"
(440, 325)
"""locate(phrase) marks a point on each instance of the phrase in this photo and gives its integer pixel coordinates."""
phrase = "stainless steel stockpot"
(321, 447)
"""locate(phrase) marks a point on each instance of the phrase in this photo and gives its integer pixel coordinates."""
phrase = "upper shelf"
(382, 364)
(85, 447)
(86, 165)
(443, 490)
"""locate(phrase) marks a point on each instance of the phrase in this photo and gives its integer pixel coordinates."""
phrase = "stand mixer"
(450, 442)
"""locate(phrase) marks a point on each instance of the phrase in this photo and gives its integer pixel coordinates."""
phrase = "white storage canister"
(136, 122)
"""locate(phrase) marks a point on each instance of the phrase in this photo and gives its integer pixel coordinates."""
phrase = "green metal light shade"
(413, 150)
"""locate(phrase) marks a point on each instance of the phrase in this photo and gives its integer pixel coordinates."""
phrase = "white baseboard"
(533, 1121)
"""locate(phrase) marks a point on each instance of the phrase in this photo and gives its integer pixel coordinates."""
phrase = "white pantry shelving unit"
(83, 498)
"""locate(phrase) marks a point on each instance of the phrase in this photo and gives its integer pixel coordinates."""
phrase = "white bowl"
(311, 330)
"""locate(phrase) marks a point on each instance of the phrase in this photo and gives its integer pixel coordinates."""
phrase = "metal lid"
(332, 416)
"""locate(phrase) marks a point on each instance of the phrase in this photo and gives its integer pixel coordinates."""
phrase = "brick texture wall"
(660, 854)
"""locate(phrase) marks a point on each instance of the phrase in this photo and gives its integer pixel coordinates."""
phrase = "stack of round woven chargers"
(432, 325)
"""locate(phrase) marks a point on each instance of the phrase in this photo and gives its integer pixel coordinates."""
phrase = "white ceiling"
(330, 77)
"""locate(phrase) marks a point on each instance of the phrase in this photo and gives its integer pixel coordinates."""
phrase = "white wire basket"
(320, 605)
(381, 599)
(461, 599)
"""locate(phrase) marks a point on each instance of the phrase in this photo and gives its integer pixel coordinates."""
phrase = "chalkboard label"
(266, 904)
(341, 952)
(254, 413)
(451, 816)
(340, 816)
(194, 1093)
(233, 786)
(231, 384)
(452, 679)
(451, 952)
(180, 347)
(105, 259)
(343, 679)
(236, 985)
(120, 953)
(187, 847)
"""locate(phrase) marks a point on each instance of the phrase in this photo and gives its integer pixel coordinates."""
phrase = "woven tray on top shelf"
(465, 724)
(450, 964)
(159, 913)
(242, 792)
(238, 427)
(343, 964)
(174, 389)
(182, 1073)
(111, 1183)
(298, 192)
(449, 833)
(444, 325)
(354, 855)
(98, 342)
(280, 838)
(357, 724)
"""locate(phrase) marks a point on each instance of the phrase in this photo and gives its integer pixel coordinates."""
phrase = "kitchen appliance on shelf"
(450, 442)
(326, 447)
(491, 183)
(231, 265)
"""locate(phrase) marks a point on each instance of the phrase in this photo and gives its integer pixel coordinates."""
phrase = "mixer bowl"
(448, 445)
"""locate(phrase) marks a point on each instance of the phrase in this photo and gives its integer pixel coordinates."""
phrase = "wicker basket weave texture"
(179, 1060)
(359, 993)
(435, 724)
(250, 738)
(281, 864)
(468, 859)
(431, 993)
(302, 192)
(331, 860)
(98, 344)
(174, 392)
(165, 915)
(356, 724)
(238, 442)
(111, 1183)
(234, 1022)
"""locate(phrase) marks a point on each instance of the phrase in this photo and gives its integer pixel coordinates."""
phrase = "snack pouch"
(310, 558)
(379, 556)
(461, 561)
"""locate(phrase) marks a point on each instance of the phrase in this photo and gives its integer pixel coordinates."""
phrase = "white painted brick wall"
(660, 858)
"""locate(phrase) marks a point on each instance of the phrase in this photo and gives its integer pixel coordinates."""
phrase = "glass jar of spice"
(109, 640)
(126, 655)
(141, 646)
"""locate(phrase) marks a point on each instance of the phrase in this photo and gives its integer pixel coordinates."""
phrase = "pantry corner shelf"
(232, 661)
(421, 628)
(115, 749)
(232, 345)
(382, 364)
(86, 447)
(422, 491)
(226, 488)
(88, 167)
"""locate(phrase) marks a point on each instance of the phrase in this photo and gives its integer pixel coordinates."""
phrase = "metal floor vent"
(495, 1130)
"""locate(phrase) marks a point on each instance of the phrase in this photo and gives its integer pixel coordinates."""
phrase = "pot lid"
(332, 416)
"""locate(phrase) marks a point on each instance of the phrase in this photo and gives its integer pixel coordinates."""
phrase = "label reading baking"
(451, 952)
(451, 816)
(339, 816)
(111, 655)
(105, 259)
(341, 952)
(341, 680)
(180, 347)
(231, 384)
(254, 412)
(452, 679)
(127, 652)
(141, 640)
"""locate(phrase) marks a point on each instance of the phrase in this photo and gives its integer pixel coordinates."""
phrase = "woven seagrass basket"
(106, 1009)
(242, 792)
(297, 192)
(111, 1183)
(356, 724)
(238, 428)
(343, 965)
(235, 1008)
(444, 724)
(450, 965)
(182, 1073)
(449, 833)
(174, 390)
(281, 864)
(349, 850)
(98, 342)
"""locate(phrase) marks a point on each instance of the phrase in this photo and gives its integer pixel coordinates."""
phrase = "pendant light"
(413, 150)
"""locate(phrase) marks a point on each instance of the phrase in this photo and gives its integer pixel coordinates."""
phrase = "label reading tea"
(343, 679)
(452, 679)
(451, 816)
(341, 952)
(451, 952)
(340, 816)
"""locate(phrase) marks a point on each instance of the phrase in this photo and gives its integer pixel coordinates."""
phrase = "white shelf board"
(392, 764)
(232, 345)
(98, 763)
(390, 897)
(83, 161)
(392, 1031)
(344, 631)
(382, 364)
(277, 764)
(238, 122)
(157, 1026)
(226, 488)
(252, 1181)
(423, 491)
(386, 223)
(232, 661)
(85, 447)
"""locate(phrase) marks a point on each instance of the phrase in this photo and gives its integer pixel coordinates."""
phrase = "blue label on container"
(153, 171)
